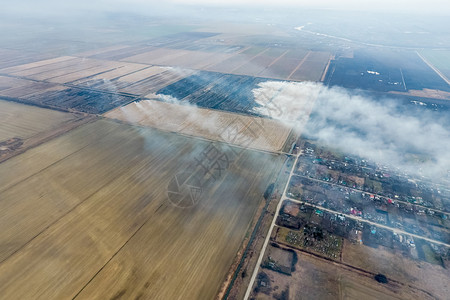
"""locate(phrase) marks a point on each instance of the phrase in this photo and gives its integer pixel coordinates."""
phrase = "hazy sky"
(417, 6)
(442, 6)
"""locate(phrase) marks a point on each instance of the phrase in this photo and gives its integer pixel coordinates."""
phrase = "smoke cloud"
(382, 131)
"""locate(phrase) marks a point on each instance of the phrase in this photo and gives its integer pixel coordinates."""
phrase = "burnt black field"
(232, 93)
(87, 101)
(360, 72)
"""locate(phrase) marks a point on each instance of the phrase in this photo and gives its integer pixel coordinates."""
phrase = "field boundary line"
(277, 59)
(299, 65)
(248, 61)
(325, 71)
(434, 68)
(111, 258)
(56, 221)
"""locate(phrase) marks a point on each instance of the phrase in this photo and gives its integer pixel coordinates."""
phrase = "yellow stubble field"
(23, 121)
(87, 215)
(257, 133)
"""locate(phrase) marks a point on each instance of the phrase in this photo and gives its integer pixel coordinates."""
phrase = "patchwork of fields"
(99, 80)
(200, 51)
(99, 210)
(97, 86)
(87, 85)
(136, 169)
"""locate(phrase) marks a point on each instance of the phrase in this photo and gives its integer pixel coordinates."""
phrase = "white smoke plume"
(382, 131)
(290, 102)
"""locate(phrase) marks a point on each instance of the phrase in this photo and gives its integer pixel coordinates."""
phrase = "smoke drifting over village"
(381, 131)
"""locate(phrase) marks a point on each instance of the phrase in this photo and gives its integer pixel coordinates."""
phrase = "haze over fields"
(193, 149)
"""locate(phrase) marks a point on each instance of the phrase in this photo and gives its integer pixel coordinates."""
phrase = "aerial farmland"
(192, 156)
(118, 209)
(117, 166)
